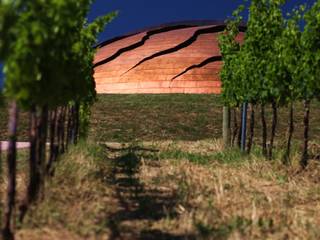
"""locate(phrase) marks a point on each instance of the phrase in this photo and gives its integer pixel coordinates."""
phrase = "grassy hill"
(125, 118)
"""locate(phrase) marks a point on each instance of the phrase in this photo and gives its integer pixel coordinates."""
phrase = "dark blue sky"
(137, 14)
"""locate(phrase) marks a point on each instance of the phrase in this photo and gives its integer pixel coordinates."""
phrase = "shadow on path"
(140, 205)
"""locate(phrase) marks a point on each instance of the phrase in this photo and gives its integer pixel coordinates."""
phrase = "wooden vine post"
(7, 231)
(226, 127)
(244, 126)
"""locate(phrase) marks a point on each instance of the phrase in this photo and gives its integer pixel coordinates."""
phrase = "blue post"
(244, 126)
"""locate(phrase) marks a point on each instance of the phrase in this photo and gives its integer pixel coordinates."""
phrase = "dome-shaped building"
(181, 57)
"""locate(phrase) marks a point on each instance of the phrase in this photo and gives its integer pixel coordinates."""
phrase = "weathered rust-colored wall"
(193, 67)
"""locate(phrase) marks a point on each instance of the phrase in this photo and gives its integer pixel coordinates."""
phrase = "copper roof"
(180, 57)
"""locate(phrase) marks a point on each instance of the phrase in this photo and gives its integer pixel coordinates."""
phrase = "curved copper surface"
(173, 58)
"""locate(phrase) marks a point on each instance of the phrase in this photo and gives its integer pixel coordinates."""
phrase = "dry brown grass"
(73, 200)
(100, 193)
(253, 200)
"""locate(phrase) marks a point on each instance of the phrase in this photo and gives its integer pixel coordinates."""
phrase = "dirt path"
(140, 207)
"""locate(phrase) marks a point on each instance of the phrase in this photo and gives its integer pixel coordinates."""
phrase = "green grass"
(223, 230)
(232, 156)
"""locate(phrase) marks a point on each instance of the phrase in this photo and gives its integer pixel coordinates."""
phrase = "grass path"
(139, 205)
(161, 190)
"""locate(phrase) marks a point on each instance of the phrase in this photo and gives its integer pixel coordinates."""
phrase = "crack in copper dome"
(187, 52)
(141, 42)
(200, 65)
(188, 42)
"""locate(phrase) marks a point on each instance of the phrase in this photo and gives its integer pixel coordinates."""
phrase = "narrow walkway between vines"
(139, 205)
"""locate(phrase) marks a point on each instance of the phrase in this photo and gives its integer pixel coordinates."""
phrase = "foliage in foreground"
(47, 50)
(277, 64)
